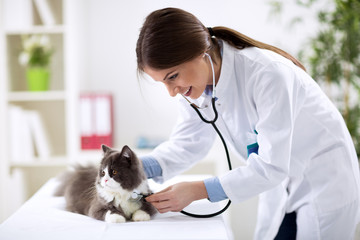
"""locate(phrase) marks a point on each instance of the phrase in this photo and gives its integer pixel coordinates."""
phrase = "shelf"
(25, 96)
(91, 154)
(52, 162)
(56, 108)
(56, 29)
(98, 154)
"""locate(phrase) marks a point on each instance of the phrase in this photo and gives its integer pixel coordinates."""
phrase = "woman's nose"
(173, 90)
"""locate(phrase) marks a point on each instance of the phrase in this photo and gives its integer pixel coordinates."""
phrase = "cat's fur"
(87, 192)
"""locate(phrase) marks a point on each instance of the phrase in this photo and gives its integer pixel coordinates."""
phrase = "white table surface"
(44, 217)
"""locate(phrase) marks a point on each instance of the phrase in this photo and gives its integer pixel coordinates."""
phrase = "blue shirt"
(213, 187)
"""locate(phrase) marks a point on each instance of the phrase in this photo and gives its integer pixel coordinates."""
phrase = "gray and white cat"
(105, 193)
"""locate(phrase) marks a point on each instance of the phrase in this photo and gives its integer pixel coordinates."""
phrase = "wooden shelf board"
(36, 96)
(56, 29)
(53, 162)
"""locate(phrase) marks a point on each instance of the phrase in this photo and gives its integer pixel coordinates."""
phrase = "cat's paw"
(114, 218)
(140, 215)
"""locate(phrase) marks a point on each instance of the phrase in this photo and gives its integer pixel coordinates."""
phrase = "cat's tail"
(63, 180)
(66, 178)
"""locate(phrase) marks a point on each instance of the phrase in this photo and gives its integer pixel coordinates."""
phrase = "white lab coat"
(306, 160)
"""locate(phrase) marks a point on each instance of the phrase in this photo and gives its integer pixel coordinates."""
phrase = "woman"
(305, 167)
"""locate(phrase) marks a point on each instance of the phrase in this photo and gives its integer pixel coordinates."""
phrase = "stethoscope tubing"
(212, 122)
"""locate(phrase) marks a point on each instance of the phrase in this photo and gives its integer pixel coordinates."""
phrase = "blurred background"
(68, 81)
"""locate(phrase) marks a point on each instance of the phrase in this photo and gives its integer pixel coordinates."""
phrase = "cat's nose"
(106, 180)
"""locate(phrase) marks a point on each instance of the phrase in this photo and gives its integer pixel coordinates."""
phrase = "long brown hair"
(172, 36)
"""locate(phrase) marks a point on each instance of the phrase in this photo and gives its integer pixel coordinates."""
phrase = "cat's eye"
(103, 173)
(114, 172)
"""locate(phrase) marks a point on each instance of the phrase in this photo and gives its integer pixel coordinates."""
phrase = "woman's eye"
(172, 77)
(114, 172)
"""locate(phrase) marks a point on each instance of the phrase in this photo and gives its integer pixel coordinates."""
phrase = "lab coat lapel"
(273, 201)
(227, 92)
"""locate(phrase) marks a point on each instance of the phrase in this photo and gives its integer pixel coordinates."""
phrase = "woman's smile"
(188, 92)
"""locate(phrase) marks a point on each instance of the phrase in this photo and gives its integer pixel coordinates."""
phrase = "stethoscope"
(136, 196)
(212, 122)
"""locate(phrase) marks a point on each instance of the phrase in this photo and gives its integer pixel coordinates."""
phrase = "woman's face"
(189, 79)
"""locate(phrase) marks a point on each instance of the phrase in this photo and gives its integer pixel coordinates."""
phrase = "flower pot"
(38, 78)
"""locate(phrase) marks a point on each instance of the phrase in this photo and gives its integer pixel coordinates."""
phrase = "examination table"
(44, 217)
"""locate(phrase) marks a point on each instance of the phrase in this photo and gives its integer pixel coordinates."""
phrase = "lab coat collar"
(227, 67)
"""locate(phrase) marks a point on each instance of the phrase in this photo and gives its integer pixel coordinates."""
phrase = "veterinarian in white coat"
(305, 164)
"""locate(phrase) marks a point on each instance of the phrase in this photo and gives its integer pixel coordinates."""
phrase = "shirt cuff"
(214, 189)
(151, 166)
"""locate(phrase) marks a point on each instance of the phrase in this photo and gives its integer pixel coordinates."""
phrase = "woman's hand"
(176, 197)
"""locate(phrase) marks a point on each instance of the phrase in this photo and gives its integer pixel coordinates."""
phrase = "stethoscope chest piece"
(136, 196)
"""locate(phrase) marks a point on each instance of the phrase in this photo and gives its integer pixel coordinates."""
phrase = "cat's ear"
(105, 148)
(126, 152)
(130, 157)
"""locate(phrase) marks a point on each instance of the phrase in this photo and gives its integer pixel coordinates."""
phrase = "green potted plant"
(36, 56)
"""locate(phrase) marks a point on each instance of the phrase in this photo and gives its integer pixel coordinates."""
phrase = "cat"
(104, 193)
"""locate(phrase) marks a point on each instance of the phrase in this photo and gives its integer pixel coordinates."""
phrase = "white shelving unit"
(57, 107)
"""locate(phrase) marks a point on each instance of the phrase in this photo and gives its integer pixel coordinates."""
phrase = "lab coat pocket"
(252, 145)
(332, 180)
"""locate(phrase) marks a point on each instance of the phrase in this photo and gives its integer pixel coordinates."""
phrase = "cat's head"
(120, 169)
